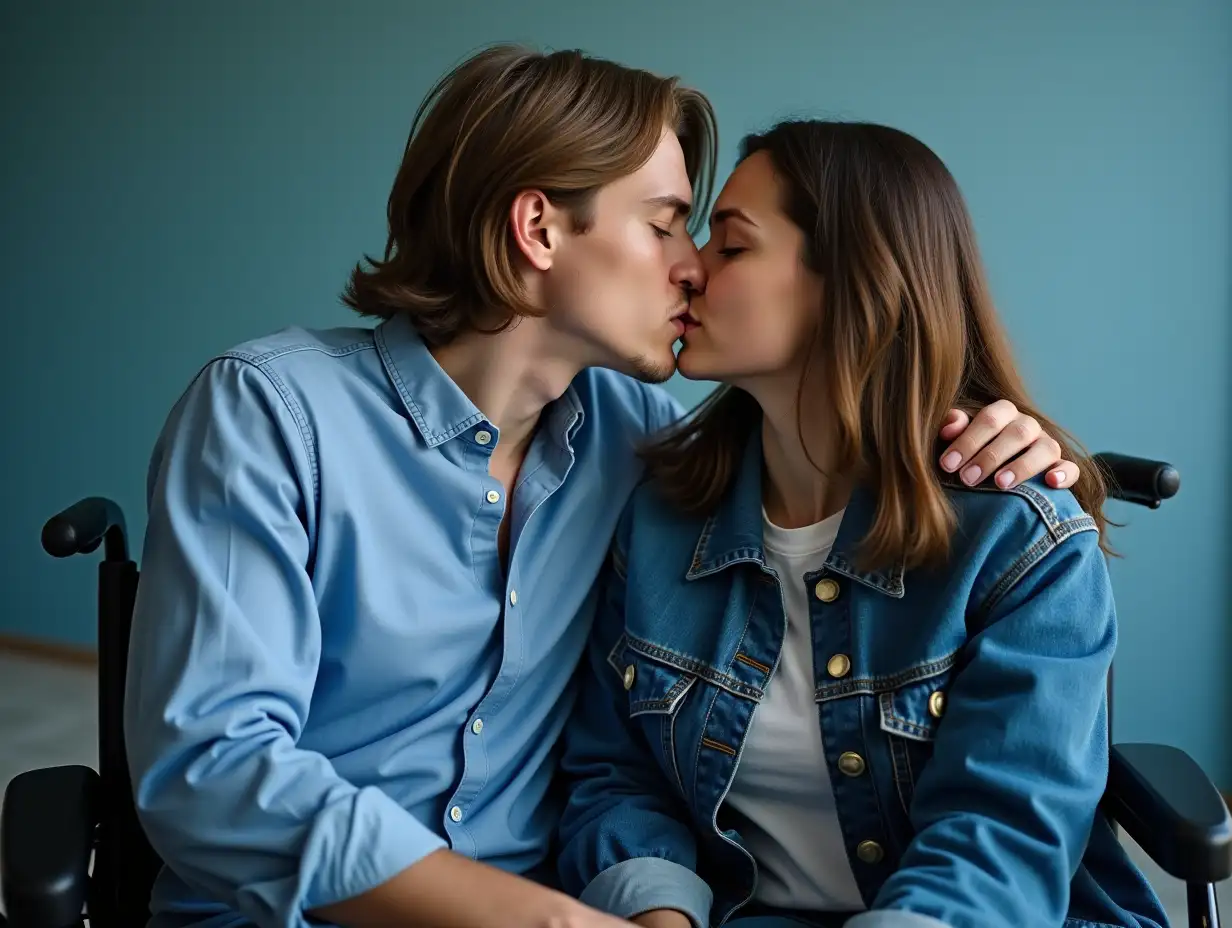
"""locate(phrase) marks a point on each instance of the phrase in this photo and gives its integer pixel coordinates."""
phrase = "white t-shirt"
(782, 787)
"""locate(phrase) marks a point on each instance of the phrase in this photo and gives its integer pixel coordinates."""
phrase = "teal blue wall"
(176, 180)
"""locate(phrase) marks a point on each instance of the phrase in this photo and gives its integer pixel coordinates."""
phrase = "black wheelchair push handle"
(1138, 480)
(83, 526)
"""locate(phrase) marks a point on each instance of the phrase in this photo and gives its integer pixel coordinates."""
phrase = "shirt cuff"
(359, 843)
(632, 887)
(893, 918)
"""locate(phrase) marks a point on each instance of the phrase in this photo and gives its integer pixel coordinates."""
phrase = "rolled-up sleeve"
(642, 884)
(225, 647)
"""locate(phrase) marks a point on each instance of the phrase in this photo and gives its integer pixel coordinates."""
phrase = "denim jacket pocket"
(656, 691)
(910, 714)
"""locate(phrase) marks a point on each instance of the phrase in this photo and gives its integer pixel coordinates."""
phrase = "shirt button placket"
(469, 786)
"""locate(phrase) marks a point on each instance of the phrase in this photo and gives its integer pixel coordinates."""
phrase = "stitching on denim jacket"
(719, 746)
(896, 724)
(669, 744)
(665, 703)
(744, 632)
(1042, 505)
(702, 541)
(1032, 556)
(874, 686)
(613, 656)
(697, 756)
(910, 775)
(904, 780)
(691, 665)
(753, 662)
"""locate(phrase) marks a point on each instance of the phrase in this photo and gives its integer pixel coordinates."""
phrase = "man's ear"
(538, 227)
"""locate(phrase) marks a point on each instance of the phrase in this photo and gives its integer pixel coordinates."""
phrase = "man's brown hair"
(908, 330)
(505, 120)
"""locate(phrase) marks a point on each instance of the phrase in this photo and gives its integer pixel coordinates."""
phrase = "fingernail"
(1057, 476)
(1004, 479)
(971, 475)
(950, 461)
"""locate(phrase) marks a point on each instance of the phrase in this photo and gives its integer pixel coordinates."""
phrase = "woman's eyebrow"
(730, 212)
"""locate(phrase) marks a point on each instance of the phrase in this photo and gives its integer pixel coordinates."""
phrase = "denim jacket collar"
(437, 405)
(733, 533)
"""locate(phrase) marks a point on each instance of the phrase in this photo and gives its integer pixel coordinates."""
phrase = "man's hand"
(663, 918)
(985, 445)
(447, 890)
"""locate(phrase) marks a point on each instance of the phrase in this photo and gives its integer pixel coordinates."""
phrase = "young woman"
(828, 685)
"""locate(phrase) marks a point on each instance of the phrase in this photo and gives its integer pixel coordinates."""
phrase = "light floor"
(47, 718)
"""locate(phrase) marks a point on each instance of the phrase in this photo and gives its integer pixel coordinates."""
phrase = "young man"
(368, 566)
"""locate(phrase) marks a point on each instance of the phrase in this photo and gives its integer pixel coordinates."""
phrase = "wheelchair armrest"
(1161, 797)
(46, 837)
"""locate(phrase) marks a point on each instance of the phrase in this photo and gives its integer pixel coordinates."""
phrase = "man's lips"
(684, 322)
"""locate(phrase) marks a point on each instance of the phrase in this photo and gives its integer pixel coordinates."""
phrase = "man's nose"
(689, 274)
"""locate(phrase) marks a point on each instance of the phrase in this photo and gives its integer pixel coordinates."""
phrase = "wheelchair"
(72, 849)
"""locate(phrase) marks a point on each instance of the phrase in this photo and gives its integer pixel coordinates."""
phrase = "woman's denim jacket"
(963, 712)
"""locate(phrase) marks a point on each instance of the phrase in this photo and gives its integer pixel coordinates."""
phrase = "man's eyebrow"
(682, 206)
(732, 212)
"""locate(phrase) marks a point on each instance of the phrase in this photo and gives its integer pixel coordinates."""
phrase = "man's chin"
(647, 368)
(651, 372)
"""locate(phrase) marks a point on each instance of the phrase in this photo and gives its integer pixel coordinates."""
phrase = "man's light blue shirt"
(331, 673)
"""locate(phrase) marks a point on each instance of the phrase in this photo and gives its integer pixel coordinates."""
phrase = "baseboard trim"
(54, 651)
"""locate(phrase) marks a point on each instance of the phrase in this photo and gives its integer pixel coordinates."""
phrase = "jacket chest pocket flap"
(655, 687)
(913, 705)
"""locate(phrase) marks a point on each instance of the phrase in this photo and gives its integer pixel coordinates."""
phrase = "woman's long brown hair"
(908, 331)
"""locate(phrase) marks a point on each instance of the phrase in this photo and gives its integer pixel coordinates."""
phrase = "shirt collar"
(437, 405)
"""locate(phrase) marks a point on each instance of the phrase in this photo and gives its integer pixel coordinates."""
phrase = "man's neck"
(801, 486)
(510, 377)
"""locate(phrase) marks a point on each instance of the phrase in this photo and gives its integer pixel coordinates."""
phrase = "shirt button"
(477, 726)
(483, 436)
(936, 704)
(456, 814)
(493, 496)
(851, 764)
(630, 676)
(870, 852)
(826, 590)
(839, 665)
(513, 597)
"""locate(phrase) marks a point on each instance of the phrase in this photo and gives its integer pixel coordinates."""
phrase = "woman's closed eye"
(661, 232)
(731, 251)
